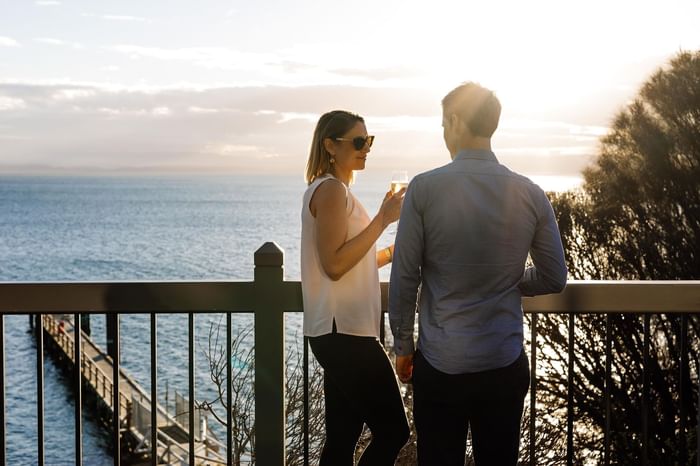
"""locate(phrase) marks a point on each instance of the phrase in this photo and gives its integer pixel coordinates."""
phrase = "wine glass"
(399, 180)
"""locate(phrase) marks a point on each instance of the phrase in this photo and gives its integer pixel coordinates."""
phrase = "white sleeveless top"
(354, 301)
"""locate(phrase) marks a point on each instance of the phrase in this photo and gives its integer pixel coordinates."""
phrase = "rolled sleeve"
(406, 272)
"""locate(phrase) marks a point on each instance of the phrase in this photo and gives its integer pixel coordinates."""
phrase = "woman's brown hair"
(332, 125)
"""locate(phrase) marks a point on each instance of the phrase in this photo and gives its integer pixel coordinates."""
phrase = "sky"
(219, 86)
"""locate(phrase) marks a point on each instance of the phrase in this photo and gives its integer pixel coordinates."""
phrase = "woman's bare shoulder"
(330, 193)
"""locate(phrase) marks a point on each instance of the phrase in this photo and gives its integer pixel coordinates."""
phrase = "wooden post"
(112, 321)
(269, 356)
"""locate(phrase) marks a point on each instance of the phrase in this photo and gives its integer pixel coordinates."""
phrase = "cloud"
(379, 74)
(109, 111)
(521, 124)
(48, 40)
(210, 110)
(47, 3)
(235, 129)
(547, 151)
(161, 111)
(208, 57)
(195, 109)
(284, 67)
(285, 117)
(296, 67)
(406, 123)
(73, 94)
(125, 18)
(8, 42)
(229, 150)
(58, 42)
(11, 103)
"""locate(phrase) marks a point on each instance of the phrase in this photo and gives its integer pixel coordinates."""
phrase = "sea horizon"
(548, 182)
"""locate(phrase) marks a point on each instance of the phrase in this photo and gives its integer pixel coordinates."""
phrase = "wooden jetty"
(134, 404)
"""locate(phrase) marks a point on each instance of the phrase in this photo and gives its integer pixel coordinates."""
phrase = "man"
(464, 236)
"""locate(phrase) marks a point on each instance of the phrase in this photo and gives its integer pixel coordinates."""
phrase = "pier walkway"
(134, 403)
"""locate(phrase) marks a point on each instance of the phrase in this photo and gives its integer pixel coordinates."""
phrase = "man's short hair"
(477, 106)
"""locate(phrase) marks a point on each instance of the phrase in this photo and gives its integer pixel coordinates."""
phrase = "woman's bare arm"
(337, 255)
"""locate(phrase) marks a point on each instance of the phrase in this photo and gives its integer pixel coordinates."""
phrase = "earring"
(332, 160)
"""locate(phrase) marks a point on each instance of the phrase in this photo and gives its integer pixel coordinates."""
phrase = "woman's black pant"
(360, 388)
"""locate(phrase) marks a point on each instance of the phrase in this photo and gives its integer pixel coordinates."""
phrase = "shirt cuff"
(527, 282)
(404, 347)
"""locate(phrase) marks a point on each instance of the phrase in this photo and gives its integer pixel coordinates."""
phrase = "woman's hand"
(391, 207)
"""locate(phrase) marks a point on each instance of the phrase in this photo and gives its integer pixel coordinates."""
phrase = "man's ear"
(330, 147)
(456, 123)
(459, 126)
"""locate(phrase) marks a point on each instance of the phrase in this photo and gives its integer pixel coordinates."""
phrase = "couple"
(464, 235)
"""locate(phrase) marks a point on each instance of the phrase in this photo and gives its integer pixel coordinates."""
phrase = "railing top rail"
(617, 296)
(235, 296)
(126, 297)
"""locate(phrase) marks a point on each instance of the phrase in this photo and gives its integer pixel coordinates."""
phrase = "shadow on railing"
(268, 297)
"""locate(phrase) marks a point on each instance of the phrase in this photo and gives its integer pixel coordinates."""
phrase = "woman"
(340, 285)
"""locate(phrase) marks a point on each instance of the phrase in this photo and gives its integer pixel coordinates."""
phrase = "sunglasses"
(359, 142)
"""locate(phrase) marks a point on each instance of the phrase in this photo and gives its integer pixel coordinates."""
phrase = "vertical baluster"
(78, 381)
(229, 395)
(154, 389)
(570, 396)
(683, 388)
(116, 415)
(190, 350)
(645, 393)
(306, 401)
(608, 386)
(3, 443)
(40, 388)
(382, 331)
(533, 386)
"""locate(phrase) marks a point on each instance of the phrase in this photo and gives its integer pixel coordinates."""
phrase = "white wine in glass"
(399, 180)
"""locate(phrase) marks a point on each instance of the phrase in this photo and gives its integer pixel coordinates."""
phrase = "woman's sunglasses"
(359, 142)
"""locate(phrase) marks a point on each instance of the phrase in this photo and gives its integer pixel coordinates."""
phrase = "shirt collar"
(476, 154)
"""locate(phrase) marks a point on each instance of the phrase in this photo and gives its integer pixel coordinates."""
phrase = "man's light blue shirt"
(464, 236)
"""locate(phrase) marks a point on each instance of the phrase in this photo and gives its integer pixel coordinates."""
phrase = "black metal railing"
(613, 298)
(268, 297)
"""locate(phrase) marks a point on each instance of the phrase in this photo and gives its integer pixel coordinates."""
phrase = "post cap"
(269, 255)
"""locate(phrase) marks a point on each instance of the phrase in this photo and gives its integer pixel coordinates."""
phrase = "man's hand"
(404, 368)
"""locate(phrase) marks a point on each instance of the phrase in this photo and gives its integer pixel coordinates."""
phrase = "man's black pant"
(360, 388)
(446, 406)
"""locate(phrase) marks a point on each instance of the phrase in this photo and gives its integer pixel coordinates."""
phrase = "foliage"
(243, 397)
(636, 217)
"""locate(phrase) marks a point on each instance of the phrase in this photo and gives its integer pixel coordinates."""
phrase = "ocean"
(58, 228)
(135, 228)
